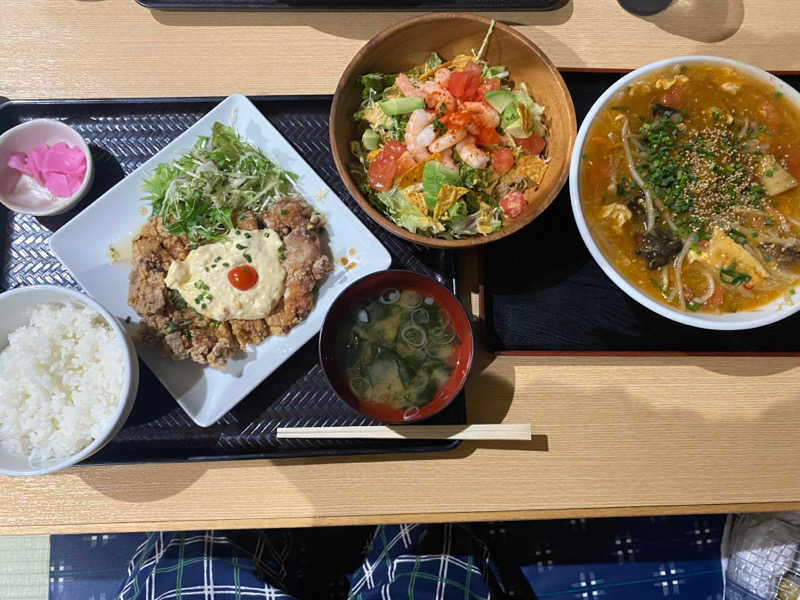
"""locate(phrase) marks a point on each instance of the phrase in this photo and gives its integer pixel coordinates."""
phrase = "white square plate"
(205, 393)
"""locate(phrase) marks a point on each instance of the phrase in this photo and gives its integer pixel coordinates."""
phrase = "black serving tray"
(543, 291)
(325, 5)
(122, 134)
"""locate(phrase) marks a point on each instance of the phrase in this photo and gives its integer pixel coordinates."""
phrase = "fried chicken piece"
(146, 291)
(289, 214)
(251, 332)
(305, 262)
(167, 319)
(245, 219)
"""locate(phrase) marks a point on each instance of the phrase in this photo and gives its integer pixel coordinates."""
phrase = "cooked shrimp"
(409, 89)
(471, 154)
(448, 140)
(482, 114)
(447, 158)
(426, 136)
(436, 96)
(442, 76)
(418, 121)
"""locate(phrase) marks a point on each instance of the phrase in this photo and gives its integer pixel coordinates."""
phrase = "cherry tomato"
(502, 160)
(243, 277)
(674, 97)
(513, 203)
(487, 136)
(770, 113)
(532, 145)
(464, 84)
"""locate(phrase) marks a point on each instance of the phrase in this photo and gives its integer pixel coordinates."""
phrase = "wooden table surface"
(613, 435)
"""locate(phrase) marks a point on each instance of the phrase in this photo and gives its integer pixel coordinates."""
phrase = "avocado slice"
(370, 139)
(401, 106)
(499, 99)
(515, 123)
(434, 177)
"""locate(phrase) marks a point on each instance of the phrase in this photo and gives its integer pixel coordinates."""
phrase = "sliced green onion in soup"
(389, 296)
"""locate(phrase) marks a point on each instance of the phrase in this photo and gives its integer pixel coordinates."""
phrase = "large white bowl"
(769, 313)
(15, 310)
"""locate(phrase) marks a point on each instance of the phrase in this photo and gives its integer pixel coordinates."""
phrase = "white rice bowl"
(61, 378)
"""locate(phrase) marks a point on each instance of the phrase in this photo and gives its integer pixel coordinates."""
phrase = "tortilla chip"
(414, 174)
(525, 117)
(484, 223)
(417, 199)
(373, 155)
(532, 167)
(457, 64)
(460, 61)
(448, 196)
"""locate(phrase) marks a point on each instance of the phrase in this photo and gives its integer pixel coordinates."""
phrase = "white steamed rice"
(61, 377)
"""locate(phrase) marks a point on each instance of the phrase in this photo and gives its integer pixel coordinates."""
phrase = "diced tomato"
(532, 145)
(382, 170)
(717, 297)
(513, 203)
(487, 136)
(502, 159)
(674, 97)
(393, 149)
(381, 173)
(770, 113)
(405, 162)
(464, 84)
(489, 85)
(601, 168)
(793, 161)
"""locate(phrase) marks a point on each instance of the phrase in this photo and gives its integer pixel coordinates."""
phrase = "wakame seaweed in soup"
(398, 349)
(689, 185)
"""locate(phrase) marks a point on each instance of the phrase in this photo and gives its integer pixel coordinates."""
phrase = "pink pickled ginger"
(60, 168)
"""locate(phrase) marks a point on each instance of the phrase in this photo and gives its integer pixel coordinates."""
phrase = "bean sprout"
(648, 201)
(678, 265)
(712, 286)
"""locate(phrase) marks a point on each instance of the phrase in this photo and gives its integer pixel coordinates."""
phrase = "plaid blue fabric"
(412, 562)
(207, 565)
(415, 562)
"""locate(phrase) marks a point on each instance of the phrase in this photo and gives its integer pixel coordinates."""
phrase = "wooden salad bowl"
(409, 43)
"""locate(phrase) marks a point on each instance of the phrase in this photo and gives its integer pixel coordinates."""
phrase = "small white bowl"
(15, 309)
(774, 311)
(24, 138)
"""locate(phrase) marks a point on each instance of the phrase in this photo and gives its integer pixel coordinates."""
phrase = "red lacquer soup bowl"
(336, 329)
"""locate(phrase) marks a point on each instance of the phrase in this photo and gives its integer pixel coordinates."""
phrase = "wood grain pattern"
(614, 435)
(109, 48)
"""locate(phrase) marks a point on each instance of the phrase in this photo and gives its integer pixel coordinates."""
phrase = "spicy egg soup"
(689, 186)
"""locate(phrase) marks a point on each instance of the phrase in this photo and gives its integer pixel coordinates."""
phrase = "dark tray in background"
(543, 291)
(122, 134)
(323, 5)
